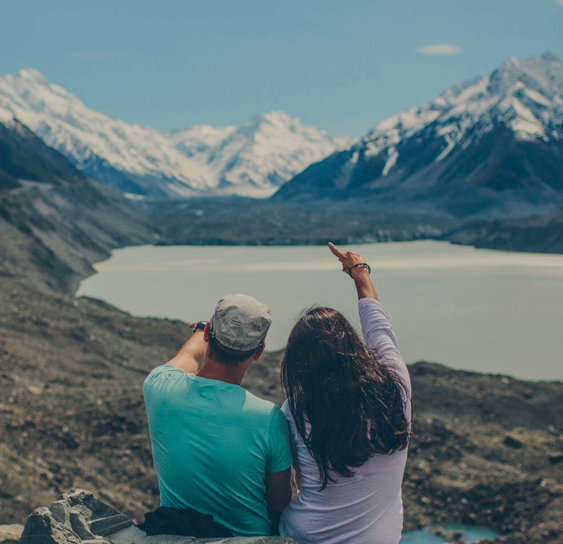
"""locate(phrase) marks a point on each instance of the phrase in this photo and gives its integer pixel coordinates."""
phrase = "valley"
(488, 449)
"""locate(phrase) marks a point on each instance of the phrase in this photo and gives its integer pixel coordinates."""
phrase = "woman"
(348, 408)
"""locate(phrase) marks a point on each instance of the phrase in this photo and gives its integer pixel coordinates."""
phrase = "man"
(217, 448)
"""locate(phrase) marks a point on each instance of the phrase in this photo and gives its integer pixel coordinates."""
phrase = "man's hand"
(360, 275)
(191, 356)
(199, 326)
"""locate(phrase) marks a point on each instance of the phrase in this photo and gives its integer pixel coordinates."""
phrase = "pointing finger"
(335, 250)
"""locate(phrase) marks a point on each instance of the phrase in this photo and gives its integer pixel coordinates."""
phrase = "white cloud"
(441, 48)
(559, 2)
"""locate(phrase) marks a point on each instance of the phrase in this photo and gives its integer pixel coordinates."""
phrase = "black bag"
(183, 522)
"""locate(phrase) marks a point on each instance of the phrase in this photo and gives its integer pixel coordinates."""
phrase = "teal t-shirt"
(212, 445)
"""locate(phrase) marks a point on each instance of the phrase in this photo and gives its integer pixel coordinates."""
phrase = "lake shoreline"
(424, 284)
(244, 221)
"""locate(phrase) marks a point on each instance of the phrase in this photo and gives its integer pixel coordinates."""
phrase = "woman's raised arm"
(376, 322)
(356, 267)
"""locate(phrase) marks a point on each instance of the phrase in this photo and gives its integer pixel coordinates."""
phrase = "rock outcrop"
(10, 534)
(79, 517)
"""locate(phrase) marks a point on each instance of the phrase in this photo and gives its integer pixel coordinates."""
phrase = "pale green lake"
(472, 309)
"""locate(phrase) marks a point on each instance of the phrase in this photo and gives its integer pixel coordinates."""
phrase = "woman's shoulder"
(286, 410)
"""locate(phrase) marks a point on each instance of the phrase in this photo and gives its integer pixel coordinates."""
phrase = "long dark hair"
(355, 406)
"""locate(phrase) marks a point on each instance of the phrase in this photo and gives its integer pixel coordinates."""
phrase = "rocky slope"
(487, 448)
(238, 221)
(491, 146)
(253, 159)
(51, 234)
(540, 234)
(54, 220)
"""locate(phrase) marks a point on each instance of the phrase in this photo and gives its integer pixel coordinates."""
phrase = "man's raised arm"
(192, 354)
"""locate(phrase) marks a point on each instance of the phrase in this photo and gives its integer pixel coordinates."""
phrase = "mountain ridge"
(453, 154)
(141, 160)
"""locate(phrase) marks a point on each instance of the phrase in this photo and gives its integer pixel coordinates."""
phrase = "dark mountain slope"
(542, 234)
(24, 156)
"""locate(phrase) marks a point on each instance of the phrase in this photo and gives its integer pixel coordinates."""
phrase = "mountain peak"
(551, 56)
(274, 117)
(488, 146)
(32, 74)
(543, 74)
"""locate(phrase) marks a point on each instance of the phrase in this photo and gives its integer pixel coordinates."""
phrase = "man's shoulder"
(259, 405)
(160, 374)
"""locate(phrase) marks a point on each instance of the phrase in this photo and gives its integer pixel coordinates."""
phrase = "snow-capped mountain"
(261, 154)
(491, 146)
(135, 159)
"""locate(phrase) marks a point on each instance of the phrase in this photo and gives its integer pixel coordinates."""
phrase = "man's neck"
(213, 370)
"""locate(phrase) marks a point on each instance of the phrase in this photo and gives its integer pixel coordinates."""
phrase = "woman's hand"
(348, 259)
(360, 275)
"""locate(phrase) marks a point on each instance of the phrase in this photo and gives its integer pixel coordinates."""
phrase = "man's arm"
(278, 496)
(192, 354)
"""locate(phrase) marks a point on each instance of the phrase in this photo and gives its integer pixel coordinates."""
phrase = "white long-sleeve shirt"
(366, 508)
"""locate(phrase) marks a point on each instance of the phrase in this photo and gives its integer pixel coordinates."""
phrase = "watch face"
(200, 325)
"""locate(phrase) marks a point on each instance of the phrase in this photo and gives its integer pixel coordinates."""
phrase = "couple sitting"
(221, 451)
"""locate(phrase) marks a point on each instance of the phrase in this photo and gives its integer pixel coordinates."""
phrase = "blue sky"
(339, 65)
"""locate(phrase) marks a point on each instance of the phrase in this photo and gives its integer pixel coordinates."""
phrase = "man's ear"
(258, 353)
(206, 333)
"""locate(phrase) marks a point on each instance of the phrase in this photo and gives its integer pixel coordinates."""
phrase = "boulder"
(79, 517)
(556, 457)
(10, 534)
(512, 442)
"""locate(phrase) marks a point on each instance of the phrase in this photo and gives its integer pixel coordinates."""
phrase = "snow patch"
(6, 117)
(391, 161)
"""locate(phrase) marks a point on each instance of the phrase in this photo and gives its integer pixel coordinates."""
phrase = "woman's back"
(349, 413)
(365, 508)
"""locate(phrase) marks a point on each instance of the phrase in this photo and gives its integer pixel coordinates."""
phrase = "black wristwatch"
(200, 325)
